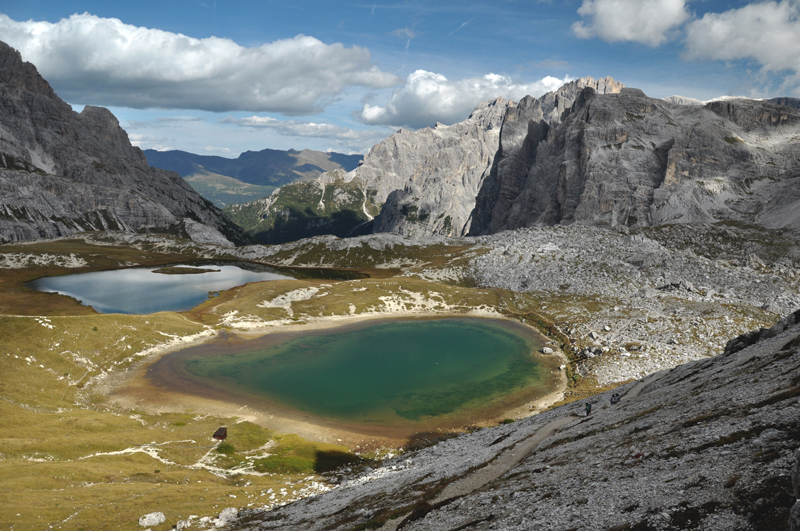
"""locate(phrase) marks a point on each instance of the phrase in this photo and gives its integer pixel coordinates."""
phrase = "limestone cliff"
(424, 182)
(626, 159)
(63, 172)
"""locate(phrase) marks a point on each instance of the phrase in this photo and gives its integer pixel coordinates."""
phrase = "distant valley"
(252, 175)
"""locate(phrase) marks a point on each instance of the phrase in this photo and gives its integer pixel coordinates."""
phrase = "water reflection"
(139, 290)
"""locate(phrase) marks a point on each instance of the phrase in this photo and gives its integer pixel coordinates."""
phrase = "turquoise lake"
(384, 372)
(139, 290)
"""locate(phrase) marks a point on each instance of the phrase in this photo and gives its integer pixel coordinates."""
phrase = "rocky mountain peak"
(63, 172)
(22, 75)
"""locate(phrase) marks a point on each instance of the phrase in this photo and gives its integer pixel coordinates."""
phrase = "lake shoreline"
(135, 389)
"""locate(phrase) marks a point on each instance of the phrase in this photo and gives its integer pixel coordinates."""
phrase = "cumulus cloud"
(645, 21)
(102, 61)
(768, 32)
(159, 143)
(427, 98)
(345, 137)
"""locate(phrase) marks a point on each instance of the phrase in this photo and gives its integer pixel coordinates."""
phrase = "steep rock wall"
(626, 159)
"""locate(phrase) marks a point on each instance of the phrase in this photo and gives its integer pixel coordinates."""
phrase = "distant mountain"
(327, 205)
(63, 172)
(252, 175)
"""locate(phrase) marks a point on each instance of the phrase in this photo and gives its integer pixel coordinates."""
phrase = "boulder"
(227, 516)
(152, 519)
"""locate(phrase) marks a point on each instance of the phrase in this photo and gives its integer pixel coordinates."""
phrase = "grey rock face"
(794, 517)
(63, 172)
(524, 128)
(796, 475)
(626, 159)
(437, 173)
(427, 180)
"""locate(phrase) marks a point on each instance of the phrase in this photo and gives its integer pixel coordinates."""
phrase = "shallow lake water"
(380, 373)
(139, 290)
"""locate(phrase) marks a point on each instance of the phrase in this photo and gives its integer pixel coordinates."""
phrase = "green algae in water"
(407, 369)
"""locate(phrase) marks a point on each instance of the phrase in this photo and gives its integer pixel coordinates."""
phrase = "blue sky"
(228, 76)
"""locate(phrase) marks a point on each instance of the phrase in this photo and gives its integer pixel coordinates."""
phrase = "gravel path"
(504, 462)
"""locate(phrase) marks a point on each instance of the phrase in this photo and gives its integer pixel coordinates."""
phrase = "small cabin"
(221, 434)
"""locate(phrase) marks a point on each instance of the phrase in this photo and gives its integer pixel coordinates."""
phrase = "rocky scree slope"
(626, 159)
(414, 183)
(710, 445)
(63, 172)
(636, 302)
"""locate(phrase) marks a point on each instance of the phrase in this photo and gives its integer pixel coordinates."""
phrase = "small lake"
(142, 290)
(383, 373)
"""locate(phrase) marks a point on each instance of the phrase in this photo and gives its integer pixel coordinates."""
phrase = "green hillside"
(305, 209)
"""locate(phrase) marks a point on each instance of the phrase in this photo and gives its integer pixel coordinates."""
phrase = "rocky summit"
(711, 445)
(63, 172)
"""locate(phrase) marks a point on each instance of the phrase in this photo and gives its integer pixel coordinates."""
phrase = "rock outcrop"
(626, 159)
(63, 172)
(710, 445)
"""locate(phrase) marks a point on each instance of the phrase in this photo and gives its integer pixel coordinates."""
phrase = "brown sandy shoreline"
(139, 389)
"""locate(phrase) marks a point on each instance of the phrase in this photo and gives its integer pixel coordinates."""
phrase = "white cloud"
(427, 98)
(150, 142)
(102, 61)
(407, 33)
(645, 21)
(768, 32)
(342, 137)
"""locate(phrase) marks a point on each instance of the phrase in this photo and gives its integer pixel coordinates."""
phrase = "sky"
(223, 77)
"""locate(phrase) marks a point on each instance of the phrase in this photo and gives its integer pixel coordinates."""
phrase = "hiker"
(615, 398)
(588, 409)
